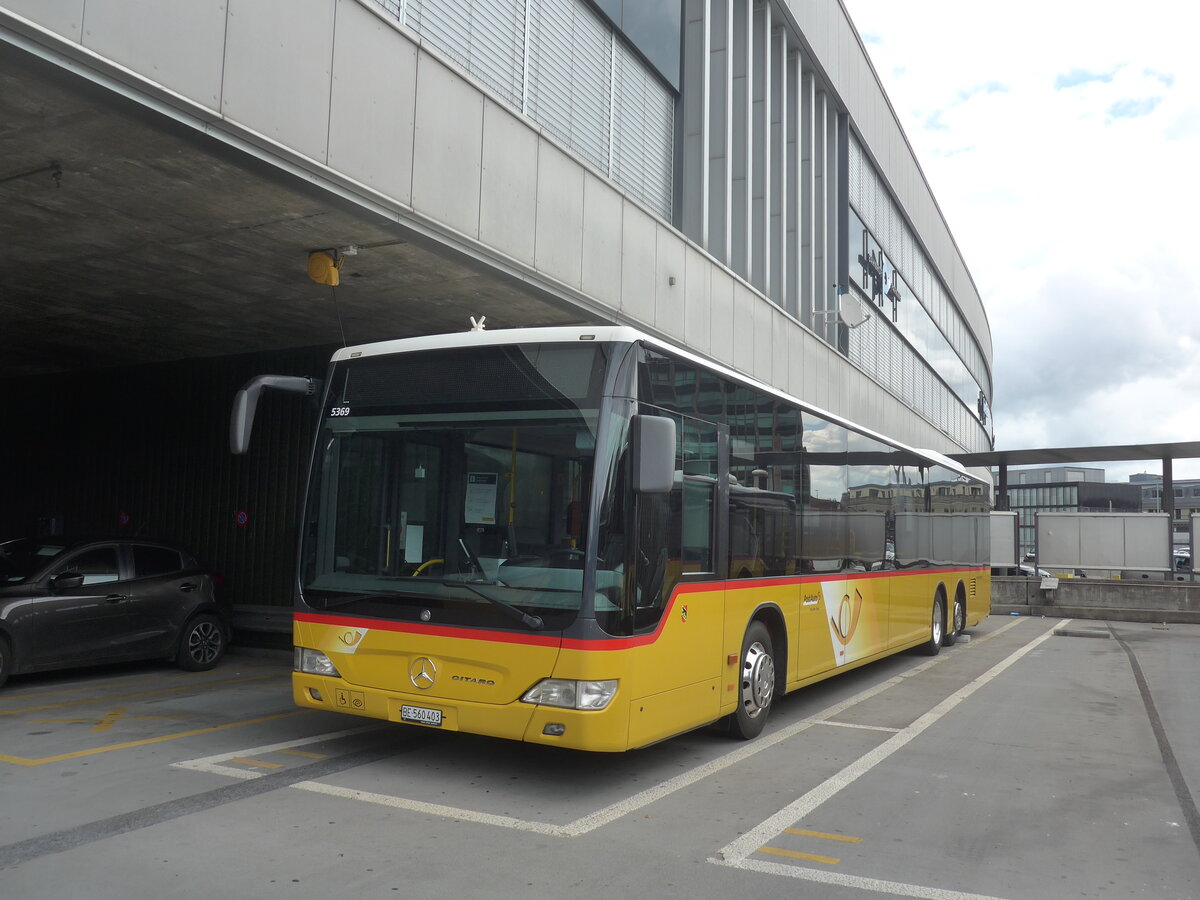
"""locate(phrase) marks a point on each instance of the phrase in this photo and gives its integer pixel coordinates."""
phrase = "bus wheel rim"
(758, 680)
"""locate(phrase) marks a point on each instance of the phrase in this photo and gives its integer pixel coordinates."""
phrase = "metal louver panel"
(561, 65)
(643, 133)
(486, 37)
(570, 53)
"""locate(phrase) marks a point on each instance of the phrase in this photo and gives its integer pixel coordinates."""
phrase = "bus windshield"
(452, 486)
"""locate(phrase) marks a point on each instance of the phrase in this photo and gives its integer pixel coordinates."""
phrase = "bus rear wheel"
(756, 683)
(958, 621)
(937, 627)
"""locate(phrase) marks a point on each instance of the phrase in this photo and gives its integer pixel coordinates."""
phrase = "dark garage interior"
(143, 451)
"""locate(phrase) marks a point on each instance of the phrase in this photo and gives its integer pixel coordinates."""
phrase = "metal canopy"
(1165, 453)
(1069, 455)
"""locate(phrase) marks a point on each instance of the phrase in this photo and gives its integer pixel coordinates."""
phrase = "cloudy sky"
(1062, 142)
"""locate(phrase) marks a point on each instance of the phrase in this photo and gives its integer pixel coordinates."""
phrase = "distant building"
(1187, 501)
(1064, 489)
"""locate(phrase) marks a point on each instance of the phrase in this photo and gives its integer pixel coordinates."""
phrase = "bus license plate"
(420, 715)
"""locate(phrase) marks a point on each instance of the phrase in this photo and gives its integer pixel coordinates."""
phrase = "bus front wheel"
(756, 683)
(937, 627)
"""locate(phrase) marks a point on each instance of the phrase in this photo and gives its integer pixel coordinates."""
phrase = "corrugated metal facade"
(145, 451)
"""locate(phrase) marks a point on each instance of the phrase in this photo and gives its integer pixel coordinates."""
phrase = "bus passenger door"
(675, 673)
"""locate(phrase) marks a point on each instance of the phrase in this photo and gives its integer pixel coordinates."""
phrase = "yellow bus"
(589, 538)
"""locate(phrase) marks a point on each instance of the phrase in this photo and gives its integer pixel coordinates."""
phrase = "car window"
(148, 561)
(97, 566)
(22, 558)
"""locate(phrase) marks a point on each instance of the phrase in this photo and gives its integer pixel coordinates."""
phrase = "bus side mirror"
(245, 402)
(652, 441)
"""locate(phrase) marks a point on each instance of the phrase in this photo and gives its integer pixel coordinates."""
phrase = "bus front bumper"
(604, 730)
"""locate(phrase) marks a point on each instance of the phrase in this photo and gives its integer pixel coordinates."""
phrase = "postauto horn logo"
(846, 622)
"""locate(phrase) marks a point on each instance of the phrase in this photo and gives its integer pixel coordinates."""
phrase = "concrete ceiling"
(157, 243)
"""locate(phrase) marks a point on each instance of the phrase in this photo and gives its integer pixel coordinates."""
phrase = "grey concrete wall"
(341, 94)
(1094, 598)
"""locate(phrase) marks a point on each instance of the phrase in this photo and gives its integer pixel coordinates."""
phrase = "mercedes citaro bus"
(589, 538)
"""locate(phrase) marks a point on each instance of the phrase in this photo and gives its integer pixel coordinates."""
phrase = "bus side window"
(652, 555)
(697, 464)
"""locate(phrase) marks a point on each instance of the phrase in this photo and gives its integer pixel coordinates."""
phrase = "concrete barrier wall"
(1089, 598)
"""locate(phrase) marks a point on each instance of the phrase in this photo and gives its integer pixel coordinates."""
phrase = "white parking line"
(894, 888)
(591, 821)
(433, 809)
(736, 854)
(212, 764)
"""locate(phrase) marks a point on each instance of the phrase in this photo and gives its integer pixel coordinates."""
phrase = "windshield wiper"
(533, 623)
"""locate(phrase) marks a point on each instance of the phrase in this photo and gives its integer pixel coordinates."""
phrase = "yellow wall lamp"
(324, 266)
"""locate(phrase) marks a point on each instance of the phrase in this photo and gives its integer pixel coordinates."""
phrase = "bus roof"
(626, 335)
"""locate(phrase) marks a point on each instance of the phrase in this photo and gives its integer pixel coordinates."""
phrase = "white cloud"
(1060, 141)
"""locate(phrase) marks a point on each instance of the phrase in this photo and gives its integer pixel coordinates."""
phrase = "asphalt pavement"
(1042, 758)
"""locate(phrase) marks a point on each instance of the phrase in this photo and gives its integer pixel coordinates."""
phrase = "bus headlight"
(314, 662)
(568, 694)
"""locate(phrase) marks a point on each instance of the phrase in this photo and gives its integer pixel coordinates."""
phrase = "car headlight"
(569, 694)
(314, 662)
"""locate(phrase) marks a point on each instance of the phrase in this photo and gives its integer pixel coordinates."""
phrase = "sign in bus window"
(481, 498)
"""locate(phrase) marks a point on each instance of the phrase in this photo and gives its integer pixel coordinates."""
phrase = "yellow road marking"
(845, 838)
(257, 763)
(303, 753)
(106, 721)
(155, 679)
(22, 761)
(173, 690)
(795, 854)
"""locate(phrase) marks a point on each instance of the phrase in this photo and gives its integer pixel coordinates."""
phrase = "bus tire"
(756, 683)
(937, 626)
(958, 621)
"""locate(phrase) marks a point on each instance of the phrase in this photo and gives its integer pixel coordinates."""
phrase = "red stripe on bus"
(455, 631)
(613, 643)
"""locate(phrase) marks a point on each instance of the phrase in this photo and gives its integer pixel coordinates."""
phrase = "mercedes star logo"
(422, 673)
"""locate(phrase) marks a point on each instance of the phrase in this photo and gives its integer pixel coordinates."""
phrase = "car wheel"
(756, 683)
(937, 627)
(958, 621)
(202, 643)
(6, 660)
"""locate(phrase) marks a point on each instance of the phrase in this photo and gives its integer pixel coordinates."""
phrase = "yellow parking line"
(845, 838)
(257, 763)
(303, 753)
(22, 761)
(795, 854)
(35, 694)
(105, 722)
(172, 690)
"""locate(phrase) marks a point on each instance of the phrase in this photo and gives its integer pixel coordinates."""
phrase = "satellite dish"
(850, 311)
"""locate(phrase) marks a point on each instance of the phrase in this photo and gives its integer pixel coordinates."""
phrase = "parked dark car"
(66, 603)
